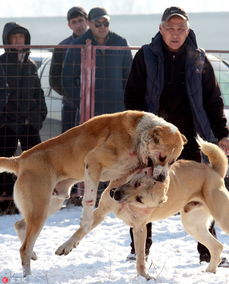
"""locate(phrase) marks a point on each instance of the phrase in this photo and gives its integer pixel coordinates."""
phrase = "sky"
(34, 8)
(100, 258)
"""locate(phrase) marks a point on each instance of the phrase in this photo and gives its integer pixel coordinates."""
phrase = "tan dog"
(196, 190)
(103, 148)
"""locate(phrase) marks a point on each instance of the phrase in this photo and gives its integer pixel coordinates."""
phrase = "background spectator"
(77, 22)
(22, 103)
(173, 78)
(112, 67)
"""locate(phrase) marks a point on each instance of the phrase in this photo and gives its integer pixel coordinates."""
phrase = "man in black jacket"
(173, 78)
(77, 22)
(22, 104)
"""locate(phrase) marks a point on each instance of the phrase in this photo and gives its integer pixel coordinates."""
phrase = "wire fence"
(98, 81)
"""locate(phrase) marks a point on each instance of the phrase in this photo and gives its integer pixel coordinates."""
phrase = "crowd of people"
(170, 77)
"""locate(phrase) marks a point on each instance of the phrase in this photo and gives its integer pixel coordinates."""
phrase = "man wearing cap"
(77, 22)
(174, 79)
(112, 67)
(22, 102)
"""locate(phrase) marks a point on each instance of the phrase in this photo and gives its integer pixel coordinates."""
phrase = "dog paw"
(211, 268)
(65, 248)
(147, 276)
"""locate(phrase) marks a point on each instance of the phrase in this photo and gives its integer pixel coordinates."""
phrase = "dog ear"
(185, 140)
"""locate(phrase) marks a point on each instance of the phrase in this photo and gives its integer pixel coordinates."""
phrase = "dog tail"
(9, 165)
(216, 156)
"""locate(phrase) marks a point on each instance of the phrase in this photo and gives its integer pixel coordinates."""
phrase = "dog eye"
(161, 158)
(139, 199)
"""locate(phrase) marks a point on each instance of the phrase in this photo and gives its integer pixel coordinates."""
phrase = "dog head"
(160, 146)
(143, 192)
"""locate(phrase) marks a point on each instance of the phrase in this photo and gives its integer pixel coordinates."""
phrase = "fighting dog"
(196, 190)
(104, 148)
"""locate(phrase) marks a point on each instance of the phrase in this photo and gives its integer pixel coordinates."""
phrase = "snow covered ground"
(101, 256)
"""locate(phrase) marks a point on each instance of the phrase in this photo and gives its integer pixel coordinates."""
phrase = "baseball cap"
(76, 12)
(174, 11)
(97, 13)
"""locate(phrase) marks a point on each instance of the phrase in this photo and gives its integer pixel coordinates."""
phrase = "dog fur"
(196, 190)
(104, 148)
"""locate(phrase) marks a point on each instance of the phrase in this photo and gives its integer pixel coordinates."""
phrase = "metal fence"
(42, 55)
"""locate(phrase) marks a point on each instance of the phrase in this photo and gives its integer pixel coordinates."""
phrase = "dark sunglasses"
(99, 24)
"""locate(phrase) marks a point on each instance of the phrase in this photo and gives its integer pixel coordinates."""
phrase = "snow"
(101, 255)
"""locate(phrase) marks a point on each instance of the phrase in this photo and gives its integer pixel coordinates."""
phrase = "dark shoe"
(224, 262)
(132, 255)
(204, 257)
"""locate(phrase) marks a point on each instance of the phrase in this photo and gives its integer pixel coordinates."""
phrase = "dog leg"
(91, 182)
(139, 244)
(32, 196)
(98, 216)
(20, 228)
(218, 202)
(88, 202)
(196, 222)
(34, 225)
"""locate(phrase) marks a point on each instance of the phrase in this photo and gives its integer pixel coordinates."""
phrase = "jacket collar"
(157, 44)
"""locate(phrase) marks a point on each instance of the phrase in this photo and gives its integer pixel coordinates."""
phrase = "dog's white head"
(161, 146)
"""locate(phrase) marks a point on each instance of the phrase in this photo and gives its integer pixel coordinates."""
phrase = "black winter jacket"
(183, 90)
(23, 98)
(57, 65)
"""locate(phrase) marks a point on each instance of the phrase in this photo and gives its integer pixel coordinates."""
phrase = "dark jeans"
(28, 137)
(190, 152)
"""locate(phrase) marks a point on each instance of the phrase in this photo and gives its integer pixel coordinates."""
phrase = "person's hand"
(224, 145)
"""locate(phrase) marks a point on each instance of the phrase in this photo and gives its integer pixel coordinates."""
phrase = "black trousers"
(28, 137)
(190, 152)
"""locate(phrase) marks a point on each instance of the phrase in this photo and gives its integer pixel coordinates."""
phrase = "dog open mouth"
(150, 163)
(158, 172)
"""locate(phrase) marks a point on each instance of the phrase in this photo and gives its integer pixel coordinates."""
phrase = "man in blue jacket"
(77, 22)
(174, 79)
(112, 67)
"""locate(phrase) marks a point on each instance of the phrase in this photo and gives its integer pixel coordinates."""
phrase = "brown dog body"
(194, 189)
(104, 148)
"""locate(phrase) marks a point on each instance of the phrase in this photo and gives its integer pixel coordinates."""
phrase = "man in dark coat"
(77, 22)
(173, 78)
(22, 105)
(112, 67)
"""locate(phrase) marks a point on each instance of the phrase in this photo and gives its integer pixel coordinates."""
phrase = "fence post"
(93, 62)
(86, 79)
